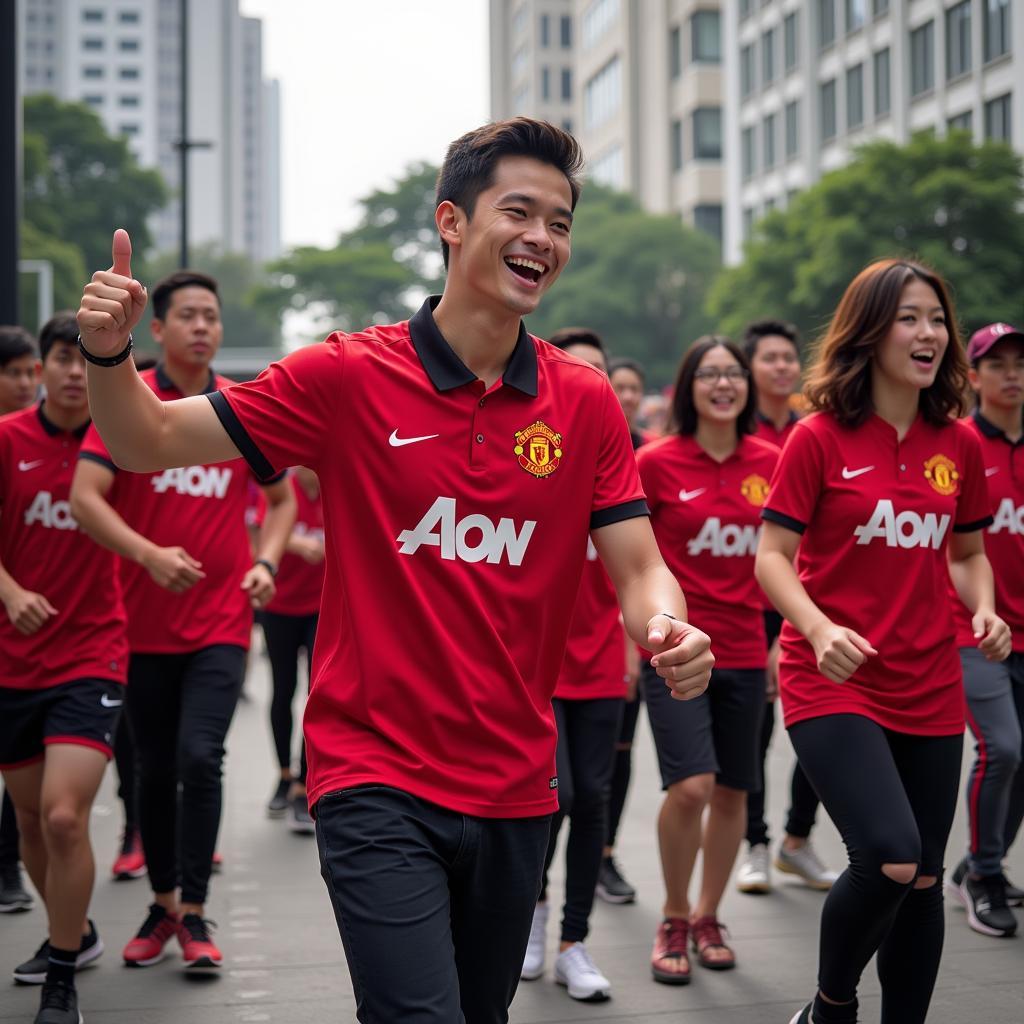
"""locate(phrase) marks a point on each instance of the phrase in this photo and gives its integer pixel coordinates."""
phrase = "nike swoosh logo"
(108, 703)
(689, 495)
(26, 466)
(991, 470)
(849, 474)
(396, 442)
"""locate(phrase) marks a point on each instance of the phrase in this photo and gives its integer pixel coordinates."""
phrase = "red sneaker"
(131, 861)
(148, 945)
(197, 948)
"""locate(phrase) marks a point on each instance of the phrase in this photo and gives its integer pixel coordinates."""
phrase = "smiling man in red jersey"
(190, 615)
(63, 659)
(462, 464)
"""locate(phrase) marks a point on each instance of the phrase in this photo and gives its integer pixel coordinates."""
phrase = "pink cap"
(981, 341)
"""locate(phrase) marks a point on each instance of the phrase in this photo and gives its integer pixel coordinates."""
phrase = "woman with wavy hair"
(870, 492)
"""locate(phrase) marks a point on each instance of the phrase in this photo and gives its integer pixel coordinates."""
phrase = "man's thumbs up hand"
(113, 302)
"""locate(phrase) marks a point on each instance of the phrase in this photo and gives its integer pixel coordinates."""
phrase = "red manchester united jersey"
(1004, 539)
(707, 518)
(298, 582)
(876, 514)
(455, 517)
(202, 509)
(43, 549)
(595, 653)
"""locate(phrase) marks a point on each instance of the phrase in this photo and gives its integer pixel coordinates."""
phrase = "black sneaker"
(987, 910)
(1014, 896)
(299, 819)
(33, 970)
(13, 895)
(58, 1005)
(804, 1016)
(279, 801)
(951, 886)
(611, 886)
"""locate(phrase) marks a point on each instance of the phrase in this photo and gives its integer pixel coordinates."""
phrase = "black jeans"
(587, 730)
(8, 833)
(287, 636)
(892, 797)
(180, 706)
(434, 907)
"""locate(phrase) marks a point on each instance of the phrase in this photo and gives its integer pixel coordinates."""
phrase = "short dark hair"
(469, 164)
(626, 363)
(15, 342)
(768, 329)
(166, 287)
(61, 328)
(565, 337)
(684, 414)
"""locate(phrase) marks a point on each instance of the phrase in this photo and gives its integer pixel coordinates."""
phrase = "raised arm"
(141, 433)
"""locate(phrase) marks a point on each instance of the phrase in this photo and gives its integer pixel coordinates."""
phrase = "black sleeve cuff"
(979, 524)
(98, 459)
(618, 513)
(243, 442)
(781, 519)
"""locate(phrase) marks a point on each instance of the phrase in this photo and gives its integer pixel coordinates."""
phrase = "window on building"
(854, 97)
(545, 83)
(790, 38)
(128, 45)
(748, 153)
(545, 30)
(827, 102)
(128, 17)
(92, 14)
(745, 8)
(747, 70)
(961, 122)
(958, 39)
(602, 97)
(997, 119)
(707, 133)
(93, 100)
(922, 59)
(792, 117)
(567, 125)
(565, 31)
(768, 56)
(92, 72)
(769, 204)
(128, 74)
(708, 218)
(768, 141)
(997, 28)
(675, 52)
(748, 222)
(856, 14)
(128, 129)
(598, 18)
(676, 141)
(610, 169)
(566, 84)
(92, 43)
(826, 23)
(879, 7)
(883, 97)
(706, 37)
(128, 101)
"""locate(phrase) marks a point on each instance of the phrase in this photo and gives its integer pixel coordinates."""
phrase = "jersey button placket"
(476, 434)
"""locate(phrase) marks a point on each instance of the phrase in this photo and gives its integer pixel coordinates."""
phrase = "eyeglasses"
(710, 375)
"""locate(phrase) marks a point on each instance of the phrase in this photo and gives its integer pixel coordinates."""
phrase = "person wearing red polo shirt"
(869, 494)
(462, 463)
(995, 690)
(63, 661)
(289, 626)
(773, 348)
(706, 482)
(189, 620)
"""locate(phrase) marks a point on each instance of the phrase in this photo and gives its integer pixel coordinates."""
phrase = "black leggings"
(622, 767)
(8, 832)
(127, 762)
(287, 636)
(892, 797)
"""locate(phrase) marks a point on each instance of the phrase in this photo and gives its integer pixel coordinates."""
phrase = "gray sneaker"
(754, 875)
(13, 896)
(806, 864)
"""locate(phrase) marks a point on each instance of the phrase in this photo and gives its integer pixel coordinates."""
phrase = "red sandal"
(707, 935)
(670, 950)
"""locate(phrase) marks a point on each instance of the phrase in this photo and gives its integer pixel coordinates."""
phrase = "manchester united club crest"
(755, 489)
(941, 472)
(538, 449)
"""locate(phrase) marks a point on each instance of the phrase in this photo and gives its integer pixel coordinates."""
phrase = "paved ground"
(284, 961)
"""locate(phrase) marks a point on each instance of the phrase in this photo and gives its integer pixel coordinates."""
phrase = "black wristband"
(105, 360)
(268, 565)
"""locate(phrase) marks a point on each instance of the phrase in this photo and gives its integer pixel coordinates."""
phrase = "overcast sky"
(368, 86)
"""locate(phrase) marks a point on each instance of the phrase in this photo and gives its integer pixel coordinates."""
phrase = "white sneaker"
(806, 863)
(754, 874)
(537, 947)
(577, 972)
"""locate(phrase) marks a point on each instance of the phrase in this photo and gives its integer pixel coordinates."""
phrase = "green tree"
(954, 205)
(69, 273)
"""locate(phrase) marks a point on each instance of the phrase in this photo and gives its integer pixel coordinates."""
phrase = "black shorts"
(82, 712)
(714, 733)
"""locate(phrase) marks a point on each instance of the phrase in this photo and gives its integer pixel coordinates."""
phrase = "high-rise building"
(808, 80)
(123, 59)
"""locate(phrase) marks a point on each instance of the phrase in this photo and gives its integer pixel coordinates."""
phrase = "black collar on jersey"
(989, 429)
(761, 418)
(166, 384)
(447, 371)
(53, 430)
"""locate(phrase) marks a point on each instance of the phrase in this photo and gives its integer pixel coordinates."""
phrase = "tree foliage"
(955, 206)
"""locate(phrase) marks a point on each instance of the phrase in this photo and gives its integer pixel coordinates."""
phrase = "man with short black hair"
(462, 463)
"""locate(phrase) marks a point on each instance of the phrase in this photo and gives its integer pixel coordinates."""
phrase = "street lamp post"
(10, 163)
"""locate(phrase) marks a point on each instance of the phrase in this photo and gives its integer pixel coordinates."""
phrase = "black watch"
(268, 565)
